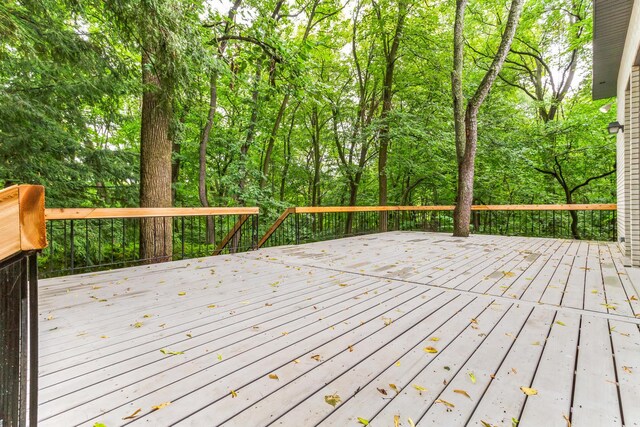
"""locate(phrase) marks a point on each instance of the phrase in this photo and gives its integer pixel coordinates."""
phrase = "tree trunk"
(272, 139)
(156, 243)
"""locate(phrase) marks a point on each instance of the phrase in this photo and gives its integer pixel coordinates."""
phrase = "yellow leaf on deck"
(394, 388)
(529, 391)
(609, 306)
(560, 323)
(594, 291)
(434, 339)
(211, 306)
(472, 376)
(137, 325)
(132, 416)
(430, 350)
(332, 399)
(567, 420)
(508, 273)
(181, 294)
(234, 394)
(363, 421)
(146, 316)
(104, 336)
(170, 352)
(219, 356)
(296, 361)
(419, 388)
(445, 403)
(160, 406)
(633, 298)
(396, 421)
(316, 357)
(343, 285)
(387, 321)
(397, 363)
(627, 369)
(273, 377)
(462, 392)
(411, 423)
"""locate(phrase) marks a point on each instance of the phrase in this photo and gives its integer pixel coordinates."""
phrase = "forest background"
(280, 103)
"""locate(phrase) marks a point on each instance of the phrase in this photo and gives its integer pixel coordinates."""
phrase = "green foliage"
(70, 102)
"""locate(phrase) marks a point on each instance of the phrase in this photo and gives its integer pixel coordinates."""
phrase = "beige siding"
(633, 136)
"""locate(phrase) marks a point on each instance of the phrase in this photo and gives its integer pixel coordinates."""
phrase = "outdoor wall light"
(615, 127)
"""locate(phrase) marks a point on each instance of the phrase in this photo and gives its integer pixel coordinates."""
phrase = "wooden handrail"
(105, 213)
(565, 207)
(22, 226)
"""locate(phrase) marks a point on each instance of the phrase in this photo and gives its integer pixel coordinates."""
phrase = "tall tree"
(466, 116)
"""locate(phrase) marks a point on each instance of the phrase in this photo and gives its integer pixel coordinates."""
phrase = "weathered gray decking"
(350, 317)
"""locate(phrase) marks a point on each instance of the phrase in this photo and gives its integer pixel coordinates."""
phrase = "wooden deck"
(421, 326)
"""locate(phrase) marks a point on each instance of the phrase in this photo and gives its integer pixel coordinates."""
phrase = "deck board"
(555, 315)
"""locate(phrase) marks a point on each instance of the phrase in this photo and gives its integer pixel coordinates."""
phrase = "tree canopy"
(287, 102)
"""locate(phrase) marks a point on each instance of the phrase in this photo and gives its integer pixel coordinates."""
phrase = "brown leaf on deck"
(132, 416)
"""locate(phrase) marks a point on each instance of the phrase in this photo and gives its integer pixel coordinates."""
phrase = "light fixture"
(615, 127)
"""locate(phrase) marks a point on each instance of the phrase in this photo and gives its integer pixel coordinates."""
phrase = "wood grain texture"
(572, 207)
(101, 213)
(22, 226)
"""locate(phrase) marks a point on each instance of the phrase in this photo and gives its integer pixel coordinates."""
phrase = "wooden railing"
(22, 234)
(305, 224)
(85, 240)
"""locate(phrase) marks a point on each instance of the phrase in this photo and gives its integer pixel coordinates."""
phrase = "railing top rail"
(106, 213)
(22, 225)
(565, 207)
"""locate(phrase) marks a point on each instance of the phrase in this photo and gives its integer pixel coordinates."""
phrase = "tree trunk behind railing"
(156, 241)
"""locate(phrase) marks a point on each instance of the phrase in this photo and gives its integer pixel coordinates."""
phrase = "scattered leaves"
(445, 403)
(396, 421)
(170, 352)
(529, 391)
(273, 377)
(363, 421)
(430, 350)
(609, 306)
(332, 399)
(137, 325)
(342, 285)
(132, 416)
(160, 406)
(419, 388)
(508, 273)
(462, 392)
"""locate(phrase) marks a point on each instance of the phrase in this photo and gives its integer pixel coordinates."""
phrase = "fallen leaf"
(363, 421)
(535, 343)
(219, 356)
(514, 370)
(609, 306)
(189, 335)
(434, 339)
(211, 306)
(137, 325)
(485, 424)
(104, 336)
(296, 361)
(446, 368)
(445, 403)
(387, 321)
(462, 392)
(397, 363)
(474, 321)
(99, 425)
(411, 423)
(394, 388)
(529, 391)
(316, 357)
(350, 348)
(273, 377)
(514, 422)
(567, 420)
(396, 421)
(382, 391)
(343, 285)
(146, 316)
(234, 394)
(473, 377)
(160, 406)
(274, 284)
(508, 273)
(560, 323)
(172, 353)
(627, 369)
(132, 416)
(181, 294)
(430, 350)
(267, 304)
(332, 399)
(633, 298)
(594, 291)
(419, 388)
